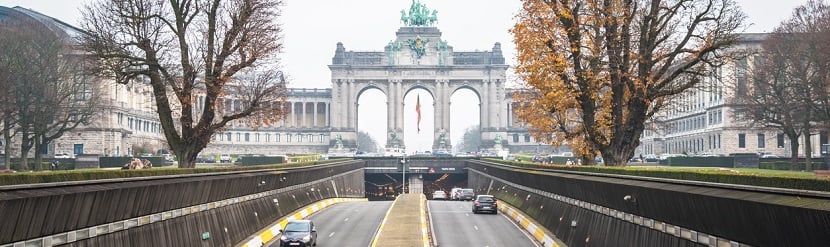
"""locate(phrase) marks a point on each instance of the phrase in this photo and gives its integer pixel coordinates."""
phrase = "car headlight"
(307, 238)
(283, 237)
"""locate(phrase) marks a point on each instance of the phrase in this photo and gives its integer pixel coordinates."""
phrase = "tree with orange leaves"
(595, 70)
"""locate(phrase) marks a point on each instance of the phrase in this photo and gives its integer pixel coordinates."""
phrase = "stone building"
(127, 119)
(701, 121)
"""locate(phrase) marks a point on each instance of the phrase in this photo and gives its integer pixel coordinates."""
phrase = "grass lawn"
(746, 171)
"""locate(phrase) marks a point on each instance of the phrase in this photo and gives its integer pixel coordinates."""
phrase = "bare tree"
(600, 68)
(46, 86)
(365, 142)
(224, 50)
(790, 76)
(471, 140)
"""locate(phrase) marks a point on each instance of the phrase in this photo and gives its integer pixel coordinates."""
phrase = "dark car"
(485, 203)
(299, 233)
(466, 194)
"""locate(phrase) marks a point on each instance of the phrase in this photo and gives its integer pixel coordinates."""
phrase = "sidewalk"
(403, 226)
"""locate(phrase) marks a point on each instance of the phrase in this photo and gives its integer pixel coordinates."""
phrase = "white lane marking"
(332, 234)
(476, 227)
(347, 219)
(467, 214)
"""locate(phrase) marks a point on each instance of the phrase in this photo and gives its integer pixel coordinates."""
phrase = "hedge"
(701, 161)
(709, 175)
(93, 174)
(259, 160)
(787, 166)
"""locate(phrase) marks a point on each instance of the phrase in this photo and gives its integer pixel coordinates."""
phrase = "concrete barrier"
(136, 211)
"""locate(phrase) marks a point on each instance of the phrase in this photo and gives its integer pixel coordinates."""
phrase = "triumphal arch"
(418, 58)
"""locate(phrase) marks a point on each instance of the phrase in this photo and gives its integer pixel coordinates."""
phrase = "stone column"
(291, 120)
(485, 106)
(493, 104)
(314, 116)
(438, 108)
(399, 107)
(328, 115)
(302, 115)
(390, 111)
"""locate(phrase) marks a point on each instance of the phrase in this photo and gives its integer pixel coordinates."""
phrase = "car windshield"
(297, 227)
(467, 191)
(485, 199)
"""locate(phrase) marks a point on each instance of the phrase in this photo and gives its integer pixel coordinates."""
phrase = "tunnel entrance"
(385, 186)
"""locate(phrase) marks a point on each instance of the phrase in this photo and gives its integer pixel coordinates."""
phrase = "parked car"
(225, 158)
(485, 203)
(299, 233)
(466, 194)
(62, 156)
(767, 156)
(455, 193)
(439, 195)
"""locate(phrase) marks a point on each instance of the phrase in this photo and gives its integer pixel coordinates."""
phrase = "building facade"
(702, 120)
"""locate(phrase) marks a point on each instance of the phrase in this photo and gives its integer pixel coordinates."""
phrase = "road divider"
(268, 234)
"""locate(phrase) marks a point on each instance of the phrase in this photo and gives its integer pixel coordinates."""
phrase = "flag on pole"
(418, 110)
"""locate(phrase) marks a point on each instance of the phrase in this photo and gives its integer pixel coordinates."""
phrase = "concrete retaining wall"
(170, 211)
(585, 210)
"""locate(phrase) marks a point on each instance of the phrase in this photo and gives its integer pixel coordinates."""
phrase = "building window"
(527, 137)
(741, 140)
(310, 138)
(299, 137)
(238, 137)
(257, 137)
(516, 138)
(277, 137)
(761, 141)
(247, 137)
(780, 140)
(287, 137)
(230, 137)
(267, 137)
(322, 138)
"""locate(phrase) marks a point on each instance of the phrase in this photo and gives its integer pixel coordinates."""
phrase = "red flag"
(418, 110)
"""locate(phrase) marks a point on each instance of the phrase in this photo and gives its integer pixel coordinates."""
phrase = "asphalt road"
(348, 223)
(456, 225)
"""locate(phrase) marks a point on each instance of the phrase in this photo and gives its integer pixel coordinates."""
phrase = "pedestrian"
(55, 164)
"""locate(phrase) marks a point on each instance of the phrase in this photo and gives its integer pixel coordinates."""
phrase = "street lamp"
(403, 174)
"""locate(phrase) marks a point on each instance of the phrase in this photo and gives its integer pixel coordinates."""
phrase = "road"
(348, 223)
(456, 225)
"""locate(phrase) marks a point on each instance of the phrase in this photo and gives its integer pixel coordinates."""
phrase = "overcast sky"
(313, 28)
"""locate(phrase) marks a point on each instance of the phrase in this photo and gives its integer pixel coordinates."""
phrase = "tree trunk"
(38, 155)
(187, 156)
(808, 148)
(24, 159)
(793, 150)
(7, 147)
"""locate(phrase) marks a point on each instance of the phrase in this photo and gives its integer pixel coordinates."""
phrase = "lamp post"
(403, 174)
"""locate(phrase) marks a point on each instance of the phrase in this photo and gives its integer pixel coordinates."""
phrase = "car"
(485, 203)
(635, 160)
(146, 155)
(439, 194)
(225, 158)
(455, 193)
(769, 156)
(466, 194)
(62, 156)
(298, 233)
